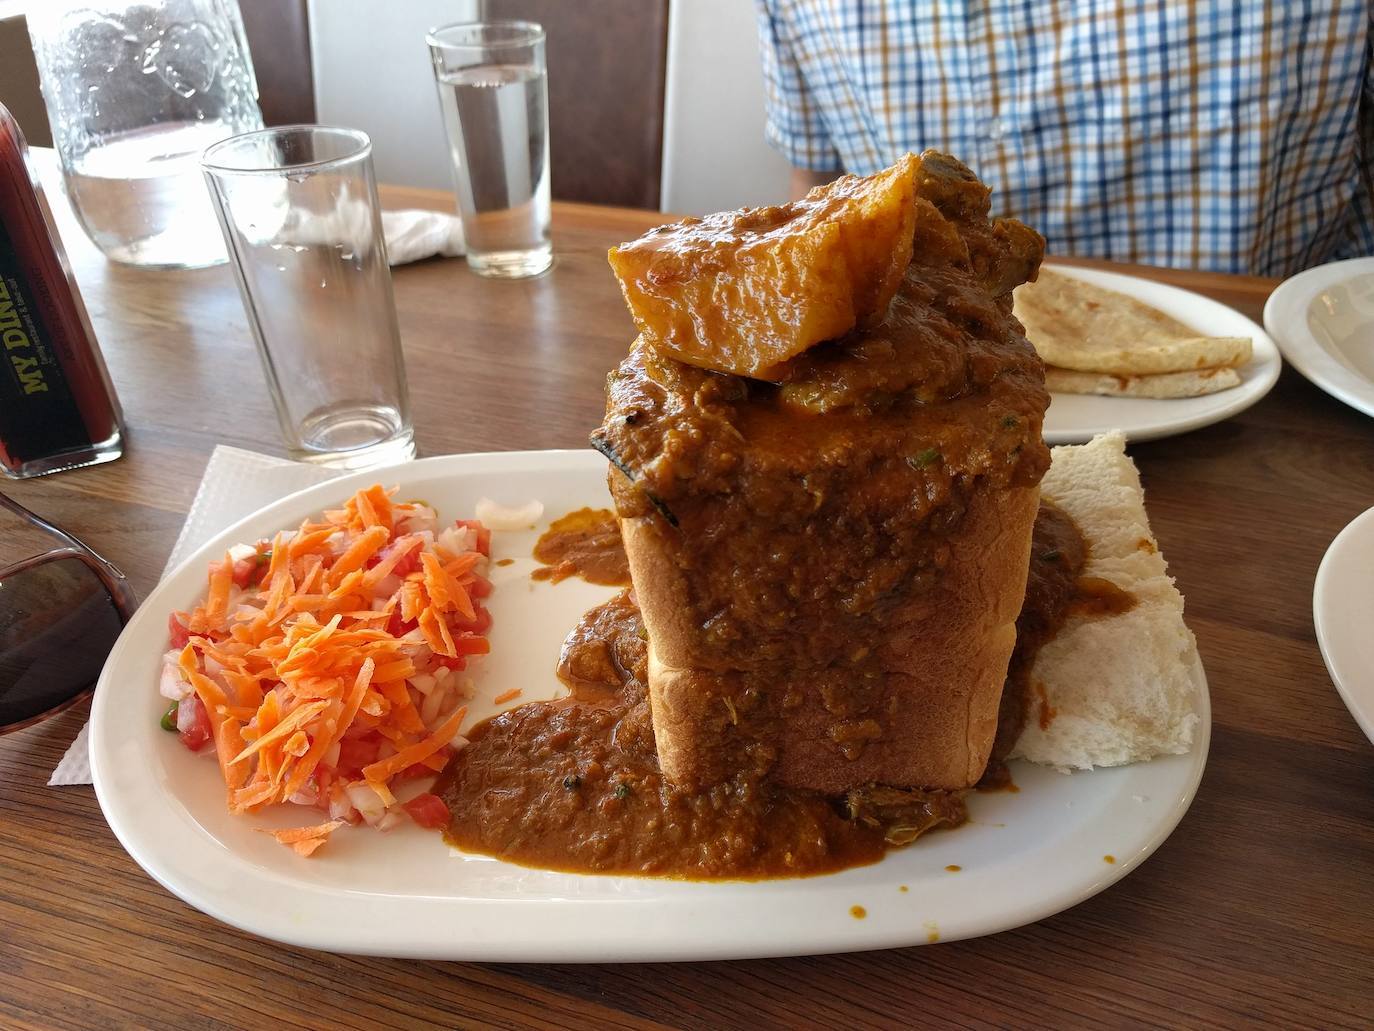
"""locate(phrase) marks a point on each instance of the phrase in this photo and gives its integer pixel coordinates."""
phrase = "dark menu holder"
(57, 407)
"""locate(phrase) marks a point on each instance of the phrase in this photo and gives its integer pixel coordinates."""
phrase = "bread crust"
(925, 713)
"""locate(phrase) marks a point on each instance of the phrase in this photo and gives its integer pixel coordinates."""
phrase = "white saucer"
(1323, 321)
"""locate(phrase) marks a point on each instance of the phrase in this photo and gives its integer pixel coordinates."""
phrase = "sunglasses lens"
(57, 625)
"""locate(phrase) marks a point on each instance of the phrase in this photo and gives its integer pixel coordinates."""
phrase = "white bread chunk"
(1121, 688)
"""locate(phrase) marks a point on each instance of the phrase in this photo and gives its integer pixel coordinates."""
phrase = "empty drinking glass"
(298, 207)
(135, 92)
(494, 94)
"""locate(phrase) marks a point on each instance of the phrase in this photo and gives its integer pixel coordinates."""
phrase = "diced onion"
(365, 800)
(239, 552)
(503, 517)
(429, 711)
(457, 539)
(172, 685)
(340, 808)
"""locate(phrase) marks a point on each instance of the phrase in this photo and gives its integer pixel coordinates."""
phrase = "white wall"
(714, 156)
(372, 72)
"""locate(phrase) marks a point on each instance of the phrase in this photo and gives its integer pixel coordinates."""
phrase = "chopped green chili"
(923, 458)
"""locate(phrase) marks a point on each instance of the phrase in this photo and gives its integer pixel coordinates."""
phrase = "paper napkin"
(412, 235)
(236, 484)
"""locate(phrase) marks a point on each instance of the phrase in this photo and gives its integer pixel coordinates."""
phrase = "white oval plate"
(1343, 613)
(1024, 856)
(1323, 320)
(1077, 418)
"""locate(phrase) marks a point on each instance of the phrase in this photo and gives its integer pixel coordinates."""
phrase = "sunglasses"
(60, 613)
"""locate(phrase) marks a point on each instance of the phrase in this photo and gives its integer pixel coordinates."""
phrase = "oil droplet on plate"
(858, 912)
(952, 868)
(902, 887)
(1109, 859)
(932, 931)
(505, 561)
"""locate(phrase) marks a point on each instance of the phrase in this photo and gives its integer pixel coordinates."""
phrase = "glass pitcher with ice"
(135, 92)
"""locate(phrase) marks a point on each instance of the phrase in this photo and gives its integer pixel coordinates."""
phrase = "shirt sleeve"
(793, 126)
(1364, 194)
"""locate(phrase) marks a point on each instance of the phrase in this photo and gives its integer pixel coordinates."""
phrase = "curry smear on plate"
(574, 784)
(585, 543)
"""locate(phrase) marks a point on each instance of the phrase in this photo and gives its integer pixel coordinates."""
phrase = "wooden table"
(1259, 907)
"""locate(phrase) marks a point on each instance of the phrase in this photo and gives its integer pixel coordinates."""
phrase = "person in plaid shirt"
(1233, 136)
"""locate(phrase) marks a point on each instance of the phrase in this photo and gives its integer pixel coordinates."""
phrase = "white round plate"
(1024, 856)
(1077, 418)
(1323, 320)
(1343, 612)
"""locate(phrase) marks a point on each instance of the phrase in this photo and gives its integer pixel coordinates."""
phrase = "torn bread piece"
(1077, 325)
(1159, 385)
(1121, 688)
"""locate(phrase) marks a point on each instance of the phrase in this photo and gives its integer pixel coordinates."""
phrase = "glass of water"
(298, 208)
(494, 94)
(135, 91)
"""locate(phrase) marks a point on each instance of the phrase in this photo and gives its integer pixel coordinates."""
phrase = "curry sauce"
(574, 784)
(586, 544)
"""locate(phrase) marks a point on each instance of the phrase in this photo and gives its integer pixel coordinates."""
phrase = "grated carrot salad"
(323, 666)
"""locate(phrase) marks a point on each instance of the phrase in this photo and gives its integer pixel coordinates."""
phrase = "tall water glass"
(494, 95)
(135, 91)
(298, 208)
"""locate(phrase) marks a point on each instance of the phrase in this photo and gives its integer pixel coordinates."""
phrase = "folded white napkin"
(236, 483)
(414, 234)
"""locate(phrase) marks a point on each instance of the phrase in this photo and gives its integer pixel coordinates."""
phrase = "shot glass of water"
(298, 208)
(494, 94)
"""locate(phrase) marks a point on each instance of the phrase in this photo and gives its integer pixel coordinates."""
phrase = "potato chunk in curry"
(743, 291)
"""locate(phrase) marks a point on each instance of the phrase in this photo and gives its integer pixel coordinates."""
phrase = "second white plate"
(1323, 319)
(1022, 857)
(1343, 613)
(1077, 418)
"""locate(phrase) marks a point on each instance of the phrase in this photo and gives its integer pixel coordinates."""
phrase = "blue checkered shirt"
(1236, 136)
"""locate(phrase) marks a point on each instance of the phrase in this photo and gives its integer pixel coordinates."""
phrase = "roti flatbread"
(1076, 325)
(1159, 385)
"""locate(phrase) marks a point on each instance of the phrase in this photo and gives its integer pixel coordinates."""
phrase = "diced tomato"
(407, 564)
(428, 811)
(480, 586)
(193, 723)
(398, 627)
(470, 644)
(479, 624)
(357, 752)
(457, 663)
(244, 569)
(483, 534)
(177, 632)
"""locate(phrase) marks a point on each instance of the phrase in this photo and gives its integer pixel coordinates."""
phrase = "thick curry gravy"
(574, 784)
(585, 543)
(809, 513)
(807, 516)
